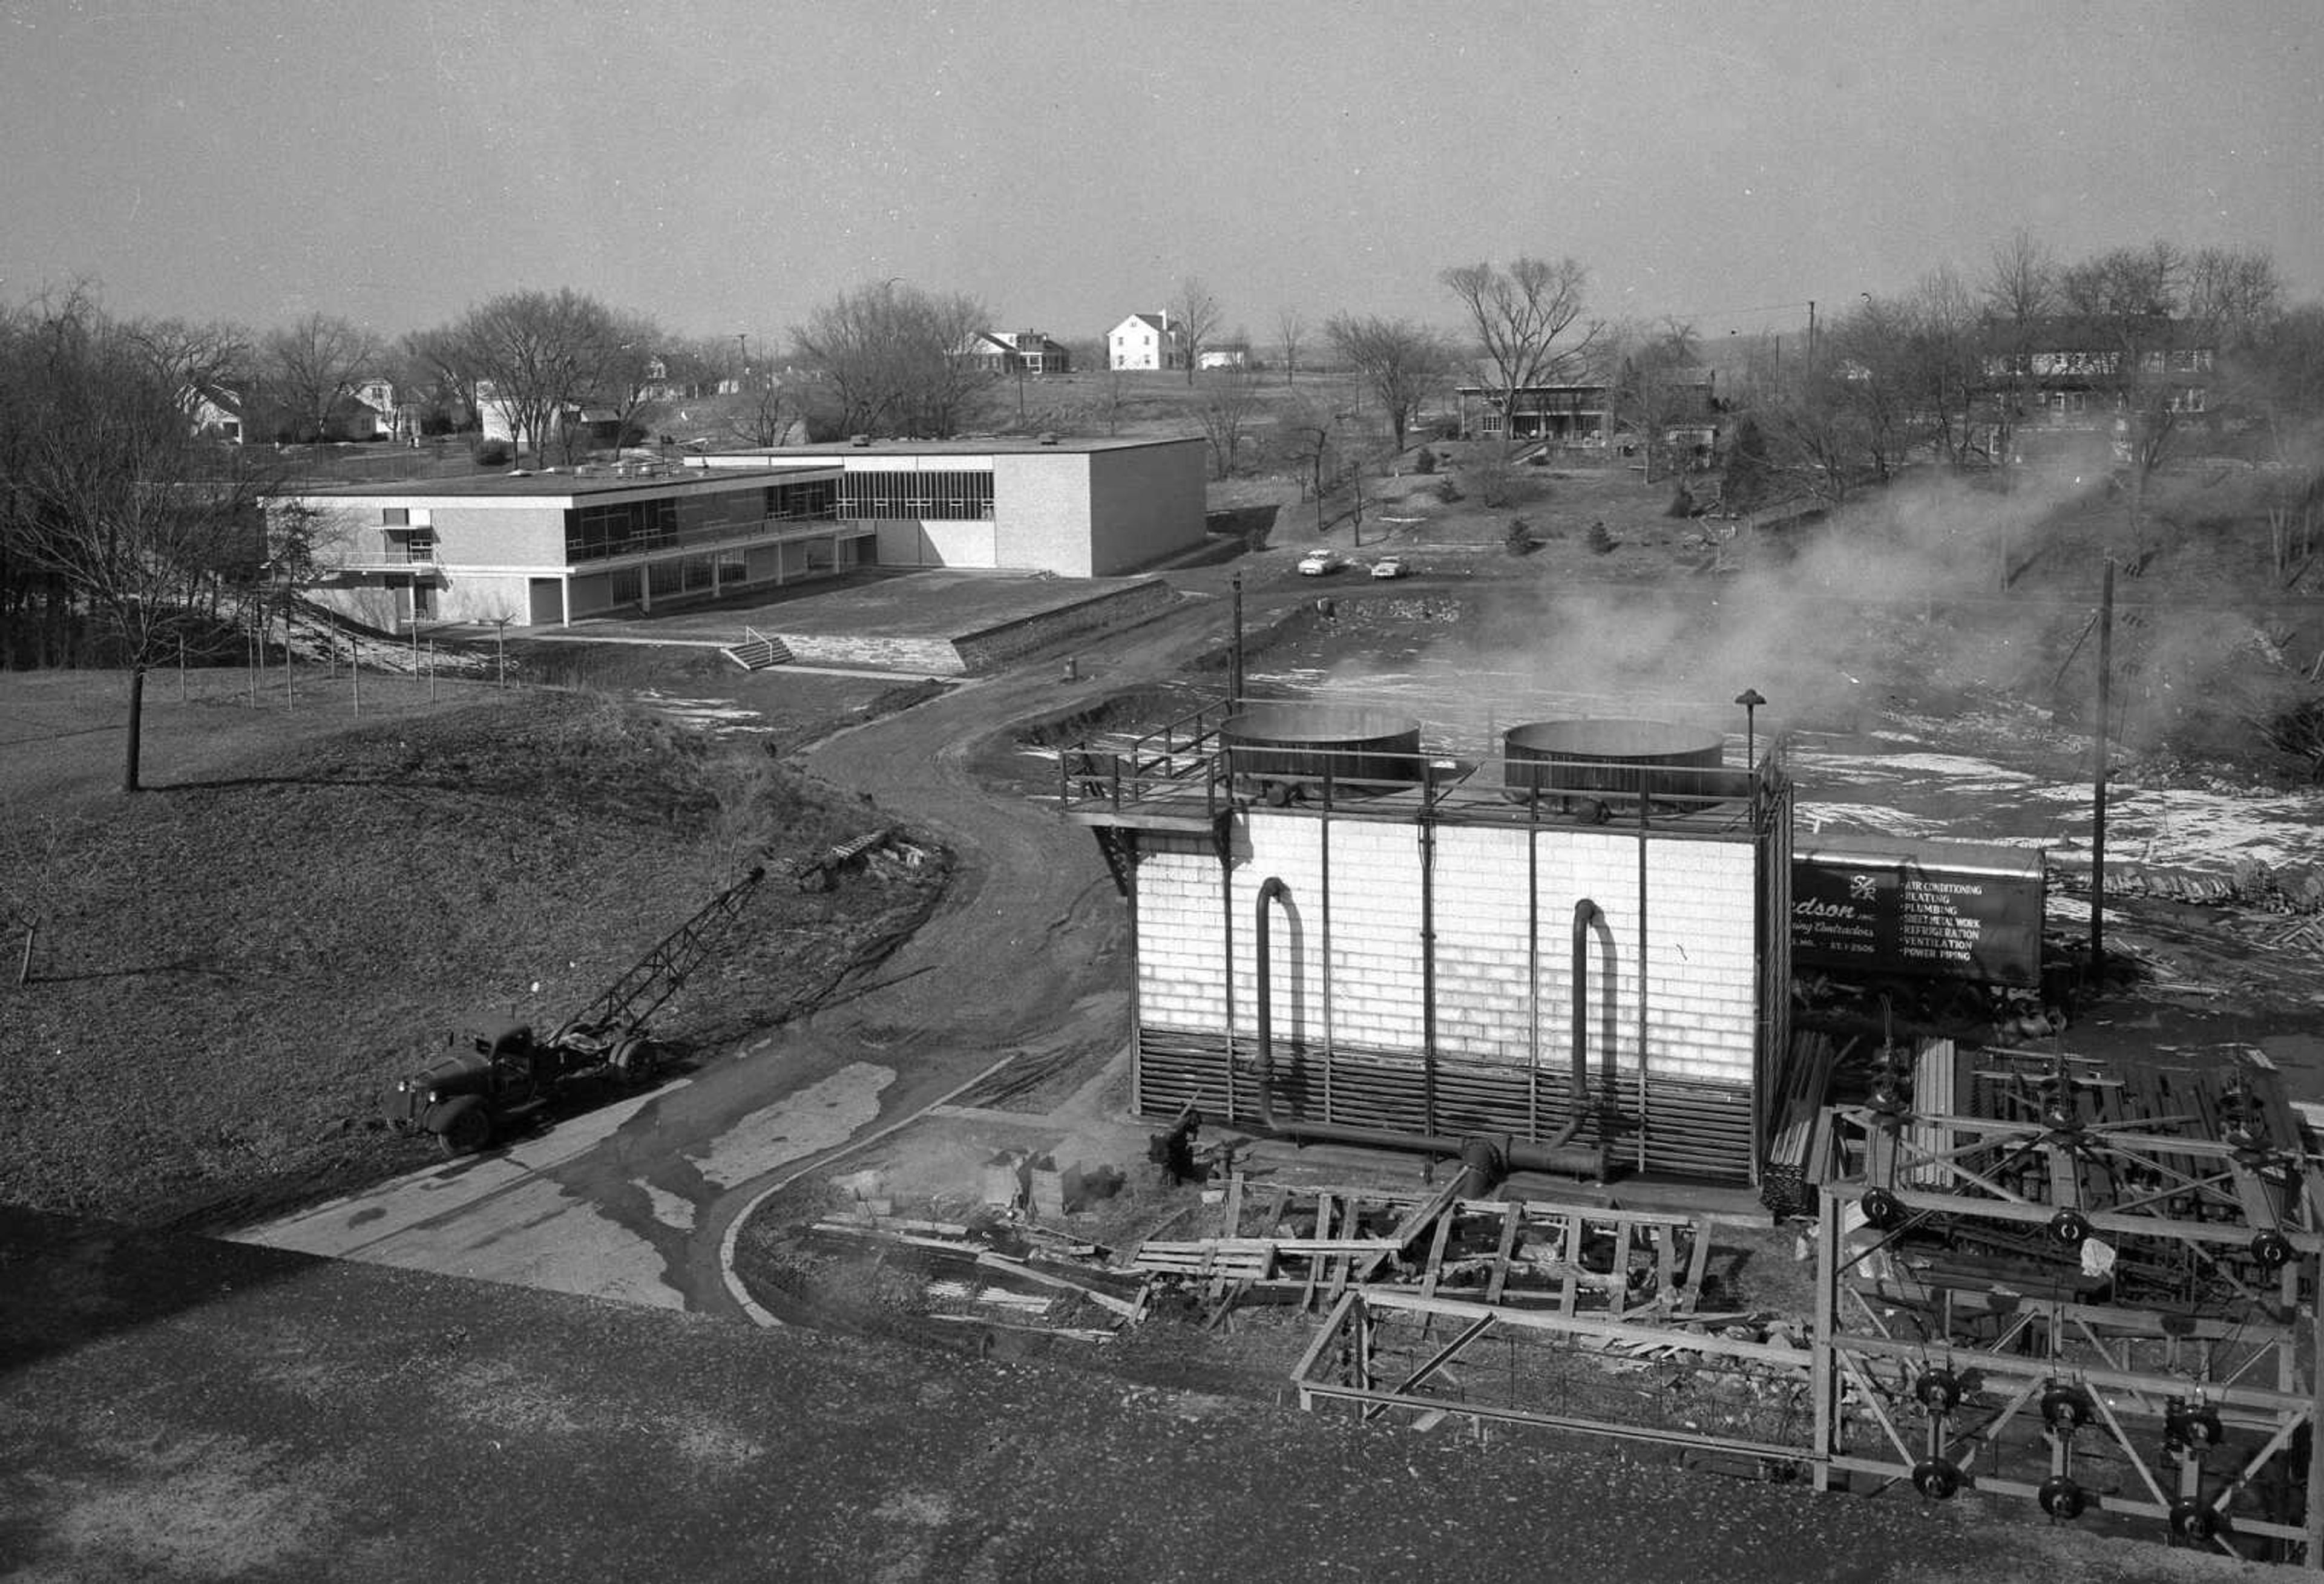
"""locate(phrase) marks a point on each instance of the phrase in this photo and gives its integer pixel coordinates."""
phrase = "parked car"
(1389, 567)
(1316, 563)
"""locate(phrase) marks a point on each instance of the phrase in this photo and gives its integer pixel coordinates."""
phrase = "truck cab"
(466, 1097)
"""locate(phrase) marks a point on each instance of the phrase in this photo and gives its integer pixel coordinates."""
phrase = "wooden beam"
(1500, 1278)
(1436, 1362)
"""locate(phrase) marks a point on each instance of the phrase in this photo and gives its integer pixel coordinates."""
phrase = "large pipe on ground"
(1485, 1160)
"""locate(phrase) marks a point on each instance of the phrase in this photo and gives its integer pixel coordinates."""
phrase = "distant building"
(217, 412)
(2059, 385)
(1146, 341)
(496, 419)
(1582, 413)
(1223, 357)
(1010, 352)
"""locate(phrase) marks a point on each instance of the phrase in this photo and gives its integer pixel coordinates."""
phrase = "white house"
(1146, 341)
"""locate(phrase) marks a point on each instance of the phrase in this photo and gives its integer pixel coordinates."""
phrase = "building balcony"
(394, 556)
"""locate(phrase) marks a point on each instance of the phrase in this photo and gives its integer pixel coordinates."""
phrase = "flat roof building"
(537, 549)
(1077, 508)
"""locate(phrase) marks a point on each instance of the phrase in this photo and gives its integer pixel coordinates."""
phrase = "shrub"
(494, 453)
(1682, 503)
(1447, 490)
(1601, 540)
(1519, 539)
(1424, 461)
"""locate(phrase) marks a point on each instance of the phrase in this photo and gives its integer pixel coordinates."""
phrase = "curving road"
(1026, 953)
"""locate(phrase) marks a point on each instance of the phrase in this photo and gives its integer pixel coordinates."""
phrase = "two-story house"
(1146, 341)
(2054, 383)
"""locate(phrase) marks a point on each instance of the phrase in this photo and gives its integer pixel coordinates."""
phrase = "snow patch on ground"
(817, 1117)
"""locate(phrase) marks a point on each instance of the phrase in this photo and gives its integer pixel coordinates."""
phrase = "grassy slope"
(231, 971)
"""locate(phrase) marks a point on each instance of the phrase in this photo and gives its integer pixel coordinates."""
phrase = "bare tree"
(202, 358)
(1517, 316)
(1307, 439)
(104, 487)
(2283, 379)
(1657, 382)
(1817, 435)
(2125, 283)
(2020, 290)
(2236, 294)
(313, 364)
(626, 388)
(1402, 363)
(891, 358)
(1290, 329)
(1947, 368)
(764, 412)
(1194, 313)
(534, 357)
(434, 364)
(1865, 394)
(1227, 408)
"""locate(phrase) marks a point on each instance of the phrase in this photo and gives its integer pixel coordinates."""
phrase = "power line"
(1733, 313)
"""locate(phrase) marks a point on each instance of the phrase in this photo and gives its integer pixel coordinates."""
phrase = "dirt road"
(1024, 955)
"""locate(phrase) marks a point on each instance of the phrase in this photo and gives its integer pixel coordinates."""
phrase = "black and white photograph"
(1116, 792)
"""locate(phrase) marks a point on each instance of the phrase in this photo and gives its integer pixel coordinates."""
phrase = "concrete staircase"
(757, 651)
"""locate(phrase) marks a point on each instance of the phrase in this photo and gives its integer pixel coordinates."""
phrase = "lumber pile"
(1786, 1184)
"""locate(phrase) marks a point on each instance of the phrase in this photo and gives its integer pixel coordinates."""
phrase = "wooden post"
(2315, 1513)
(181, 668)
(355, 673)
(1824, 1361)
(431, 672)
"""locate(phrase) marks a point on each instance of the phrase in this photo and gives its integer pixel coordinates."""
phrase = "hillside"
(229, 969)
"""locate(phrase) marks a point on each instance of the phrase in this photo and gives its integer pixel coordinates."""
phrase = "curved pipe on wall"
(1482, 1157)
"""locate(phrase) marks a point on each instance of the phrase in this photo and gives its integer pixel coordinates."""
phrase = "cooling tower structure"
(1582, 946)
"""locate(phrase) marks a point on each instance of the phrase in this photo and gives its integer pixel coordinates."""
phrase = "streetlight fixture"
(1750, 700)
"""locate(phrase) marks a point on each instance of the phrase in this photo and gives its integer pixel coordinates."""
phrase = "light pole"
(742, 359)
(1750, 700)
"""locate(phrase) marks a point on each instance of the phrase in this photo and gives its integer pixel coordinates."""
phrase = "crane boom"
(620, 1006)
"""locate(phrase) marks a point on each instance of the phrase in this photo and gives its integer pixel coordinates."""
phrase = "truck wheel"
(635, 1060)
(465, 1125)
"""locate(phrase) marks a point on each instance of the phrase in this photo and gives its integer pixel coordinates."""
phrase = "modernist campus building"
(549, 549)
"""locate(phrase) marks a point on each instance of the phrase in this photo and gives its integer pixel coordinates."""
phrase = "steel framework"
(2100, 1297)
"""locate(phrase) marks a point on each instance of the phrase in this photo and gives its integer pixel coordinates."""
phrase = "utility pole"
(1812, 332)
(1234, 677)
(2098, 774)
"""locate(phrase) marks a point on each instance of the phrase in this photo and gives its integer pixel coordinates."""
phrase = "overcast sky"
(725, 164)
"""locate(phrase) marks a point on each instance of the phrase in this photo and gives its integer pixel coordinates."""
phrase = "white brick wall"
(1348, 966)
